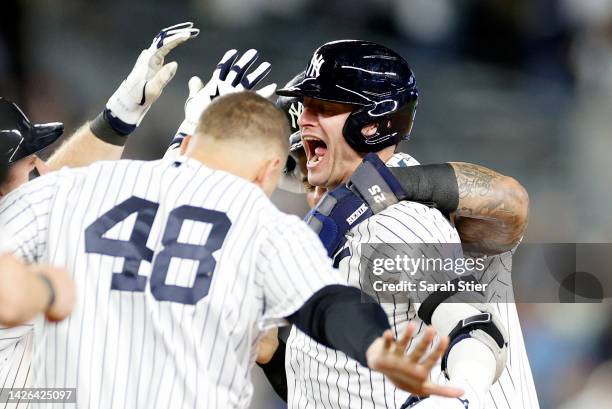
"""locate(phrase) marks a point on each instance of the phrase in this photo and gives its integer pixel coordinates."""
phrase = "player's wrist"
(174, 148)
(49, 289)
(187, 127)
(110, 129)
(59, 287)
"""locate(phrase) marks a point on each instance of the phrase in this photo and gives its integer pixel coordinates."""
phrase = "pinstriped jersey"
(515, 388)
(178, 270)
(15, 359)
(334, 381)
(15, 349)
(330, 378)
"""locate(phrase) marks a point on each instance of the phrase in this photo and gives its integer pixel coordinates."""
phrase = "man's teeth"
(314, 160)
(317, 153)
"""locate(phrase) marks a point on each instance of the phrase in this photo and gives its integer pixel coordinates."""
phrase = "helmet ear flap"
(391, 127)
(352, 129)
(379, 139)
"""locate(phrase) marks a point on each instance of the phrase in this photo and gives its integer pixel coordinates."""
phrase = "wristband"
(47, 281)
(109, 129)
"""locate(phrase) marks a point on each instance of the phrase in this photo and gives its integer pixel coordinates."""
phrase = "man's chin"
(317, 179)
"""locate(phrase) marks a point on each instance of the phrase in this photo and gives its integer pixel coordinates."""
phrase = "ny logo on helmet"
(295, 111)
(315, 66)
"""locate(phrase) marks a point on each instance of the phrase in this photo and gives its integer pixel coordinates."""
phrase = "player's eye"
(329, 110)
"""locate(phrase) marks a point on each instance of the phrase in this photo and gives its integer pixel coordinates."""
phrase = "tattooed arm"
(490, 210)
(493, 209)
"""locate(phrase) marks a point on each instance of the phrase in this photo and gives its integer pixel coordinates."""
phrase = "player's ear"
(268, 175)
(185, 144)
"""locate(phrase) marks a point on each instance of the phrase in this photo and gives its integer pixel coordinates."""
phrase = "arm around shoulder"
(493, 209)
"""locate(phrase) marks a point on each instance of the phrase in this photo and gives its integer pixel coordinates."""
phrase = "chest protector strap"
(337, 212)
(343, 208)
(374, 182)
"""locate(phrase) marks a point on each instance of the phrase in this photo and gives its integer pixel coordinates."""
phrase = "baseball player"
(360, 97)
(21, 140)
(179, 266)
(101, 139)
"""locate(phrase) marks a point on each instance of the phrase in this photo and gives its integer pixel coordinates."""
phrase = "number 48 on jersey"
(135, 250)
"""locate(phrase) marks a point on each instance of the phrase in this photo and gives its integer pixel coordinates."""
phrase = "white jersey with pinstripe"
(515, 388)
(15, 349)
(178, 270)
(334, 381)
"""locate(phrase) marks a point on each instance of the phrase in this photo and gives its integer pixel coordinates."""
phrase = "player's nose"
(307, 118)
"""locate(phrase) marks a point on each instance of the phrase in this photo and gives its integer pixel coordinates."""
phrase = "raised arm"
(83, 148)
(493, 209)
(104, 138)
(232, 74)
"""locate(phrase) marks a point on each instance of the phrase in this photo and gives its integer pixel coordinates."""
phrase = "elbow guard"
(486, 328)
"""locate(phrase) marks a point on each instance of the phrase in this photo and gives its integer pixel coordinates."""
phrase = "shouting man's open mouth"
(315, 149)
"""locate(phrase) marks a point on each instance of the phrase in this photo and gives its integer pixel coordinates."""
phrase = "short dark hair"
(246, 117)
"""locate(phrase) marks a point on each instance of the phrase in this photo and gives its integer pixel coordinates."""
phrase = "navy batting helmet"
(20, 137)
(375, 79)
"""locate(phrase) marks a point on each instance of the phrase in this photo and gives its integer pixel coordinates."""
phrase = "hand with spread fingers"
(129, 104)
(230, 75)
(410, 372)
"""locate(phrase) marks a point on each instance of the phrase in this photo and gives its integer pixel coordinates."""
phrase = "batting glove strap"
(111, 129)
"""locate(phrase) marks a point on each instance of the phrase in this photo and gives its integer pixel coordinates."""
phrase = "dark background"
(524, 87)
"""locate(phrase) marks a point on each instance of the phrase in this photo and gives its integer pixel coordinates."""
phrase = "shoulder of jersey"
(401, 159)
(406, 210)
(411, 210)
(33, 186)
(404, 217)
(409, 222)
